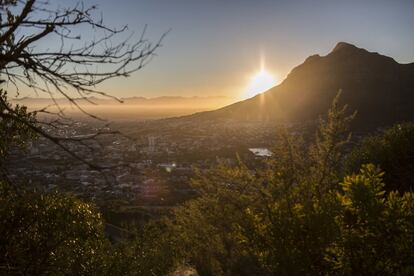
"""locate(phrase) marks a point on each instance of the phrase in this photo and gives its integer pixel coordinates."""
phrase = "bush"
(296, 216)
(392, 151)
(376, 230)
(49, 234)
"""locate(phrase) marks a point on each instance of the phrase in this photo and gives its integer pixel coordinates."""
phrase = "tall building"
(151, 143)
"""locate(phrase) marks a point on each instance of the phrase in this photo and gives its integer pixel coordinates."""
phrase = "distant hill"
(133, 108)
(163, 100)
(381, 89)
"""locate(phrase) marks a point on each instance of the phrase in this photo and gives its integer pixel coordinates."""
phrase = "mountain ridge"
(378, 87)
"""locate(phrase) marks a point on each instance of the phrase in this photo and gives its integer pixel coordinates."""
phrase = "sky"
(214, 47)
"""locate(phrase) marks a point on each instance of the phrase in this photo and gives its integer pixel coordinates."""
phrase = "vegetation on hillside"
(392, 151)
(296, 214)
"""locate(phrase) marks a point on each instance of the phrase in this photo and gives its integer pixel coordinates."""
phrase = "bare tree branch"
(69, 65)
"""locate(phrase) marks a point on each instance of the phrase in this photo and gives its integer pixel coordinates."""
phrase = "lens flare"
(260, 82)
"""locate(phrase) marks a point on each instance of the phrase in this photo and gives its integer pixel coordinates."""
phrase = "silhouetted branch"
(72, 65)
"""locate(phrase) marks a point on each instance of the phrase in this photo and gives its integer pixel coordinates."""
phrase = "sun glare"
(259, 83)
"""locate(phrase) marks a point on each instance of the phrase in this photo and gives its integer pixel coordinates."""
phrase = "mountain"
(379, 88)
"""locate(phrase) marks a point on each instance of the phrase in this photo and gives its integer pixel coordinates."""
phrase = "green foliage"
(13, 129)
(376, 230)
(204, 229)
(393, 151)
(49, 234)
(275, 220)
(294, 223)
(57, 234)
(294, 217)
(151, 252)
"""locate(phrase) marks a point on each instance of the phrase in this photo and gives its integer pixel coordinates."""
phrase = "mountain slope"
(381, 89)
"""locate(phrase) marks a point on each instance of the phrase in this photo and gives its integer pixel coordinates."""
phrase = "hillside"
(379, 88)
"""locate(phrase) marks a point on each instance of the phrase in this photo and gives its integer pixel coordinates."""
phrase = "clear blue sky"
(215, 45)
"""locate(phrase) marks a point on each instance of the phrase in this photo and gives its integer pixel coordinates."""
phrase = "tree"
(13, 132)
(297, 215)
(80, 66)
(75, 65)
(294, 223)
(392, 151)
(204, 229)
(276, 220)
(376, 229)
(49, 234)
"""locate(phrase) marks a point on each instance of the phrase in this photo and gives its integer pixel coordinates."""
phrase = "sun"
(260, 82)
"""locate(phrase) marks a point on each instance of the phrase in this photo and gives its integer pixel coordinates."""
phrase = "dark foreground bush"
(393, 151)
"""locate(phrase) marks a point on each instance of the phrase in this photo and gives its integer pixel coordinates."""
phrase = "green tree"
(204, 229)
(151, 252)
(393, 151)
(296, 216)
(376, 229)
(294, 223)
(49, 234)
(277, 220)
(13, 132)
